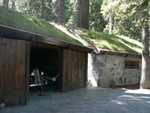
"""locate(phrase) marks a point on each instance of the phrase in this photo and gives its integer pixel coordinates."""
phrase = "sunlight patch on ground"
(138, 91)
(148, 102)
(118, 102)
(129, 97)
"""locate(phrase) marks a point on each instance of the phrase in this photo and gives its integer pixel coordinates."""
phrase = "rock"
(2, 105)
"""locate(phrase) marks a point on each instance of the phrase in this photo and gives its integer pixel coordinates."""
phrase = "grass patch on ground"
(112, 42)
(30, 23)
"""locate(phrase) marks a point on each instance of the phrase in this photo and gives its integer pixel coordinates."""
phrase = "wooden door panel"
(2, 68)
(20, 72)
(12, 71)
(74, 70)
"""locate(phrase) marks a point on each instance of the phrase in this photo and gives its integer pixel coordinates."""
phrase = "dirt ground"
(87, 100)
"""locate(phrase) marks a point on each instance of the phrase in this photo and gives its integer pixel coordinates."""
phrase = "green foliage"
(112, 42)
(30, 23)
(127, 16)
(97, 22)
(70, 13)
(127, 26)
(33, 7)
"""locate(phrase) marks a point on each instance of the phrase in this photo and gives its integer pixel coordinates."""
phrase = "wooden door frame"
(28, 50)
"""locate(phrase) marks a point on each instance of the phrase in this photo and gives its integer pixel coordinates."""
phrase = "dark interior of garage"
(45, 69)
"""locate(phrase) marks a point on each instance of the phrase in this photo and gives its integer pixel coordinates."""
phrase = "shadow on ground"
(87, 100)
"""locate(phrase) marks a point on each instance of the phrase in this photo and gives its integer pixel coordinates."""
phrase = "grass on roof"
(30, 23)
(112, 42)
(102, 40)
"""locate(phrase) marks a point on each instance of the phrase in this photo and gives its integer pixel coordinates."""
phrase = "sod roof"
(102, 40)
(29, 23)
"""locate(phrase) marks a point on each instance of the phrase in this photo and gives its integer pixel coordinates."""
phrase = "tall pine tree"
(61, 12)
(5, 3)
(83, 14)
(145, 77)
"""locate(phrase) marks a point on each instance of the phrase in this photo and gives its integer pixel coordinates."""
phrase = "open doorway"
(45, 69)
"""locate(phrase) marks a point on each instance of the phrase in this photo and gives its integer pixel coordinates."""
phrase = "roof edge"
(17, 33)
(123, 54)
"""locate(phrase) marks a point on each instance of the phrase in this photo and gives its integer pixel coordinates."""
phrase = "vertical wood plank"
(70, 69)
(67, 67)
(2, 68)
(18, 78)
(60, 69)
(79, 70)
(20, 72)
(23, 73)
(85, 69)
(12, 65)
(74, 70)
(64, 69)
(10, 72)
(64, 72)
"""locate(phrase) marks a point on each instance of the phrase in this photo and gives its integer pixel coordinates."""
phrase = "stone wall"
(108, 70)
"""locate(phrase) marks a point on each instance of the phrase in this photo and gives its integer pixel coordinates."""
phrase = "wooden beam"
(79, 48)
(15, 33)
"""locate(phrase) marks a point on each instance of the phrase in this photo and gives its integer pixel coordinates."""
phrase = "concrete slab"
(87, 100)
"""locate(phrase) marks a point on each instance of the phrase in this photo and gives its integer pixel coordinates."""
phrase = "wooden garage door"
(74, 70)
(12, 71)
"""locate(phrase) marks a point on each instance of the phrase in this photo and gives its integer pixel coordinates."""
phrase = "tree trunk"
(111, 21)
(145, 77)
(13, 4)
(42, 8)
(61, 12)
(83, 14)
(30, 6)
(5, 3)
